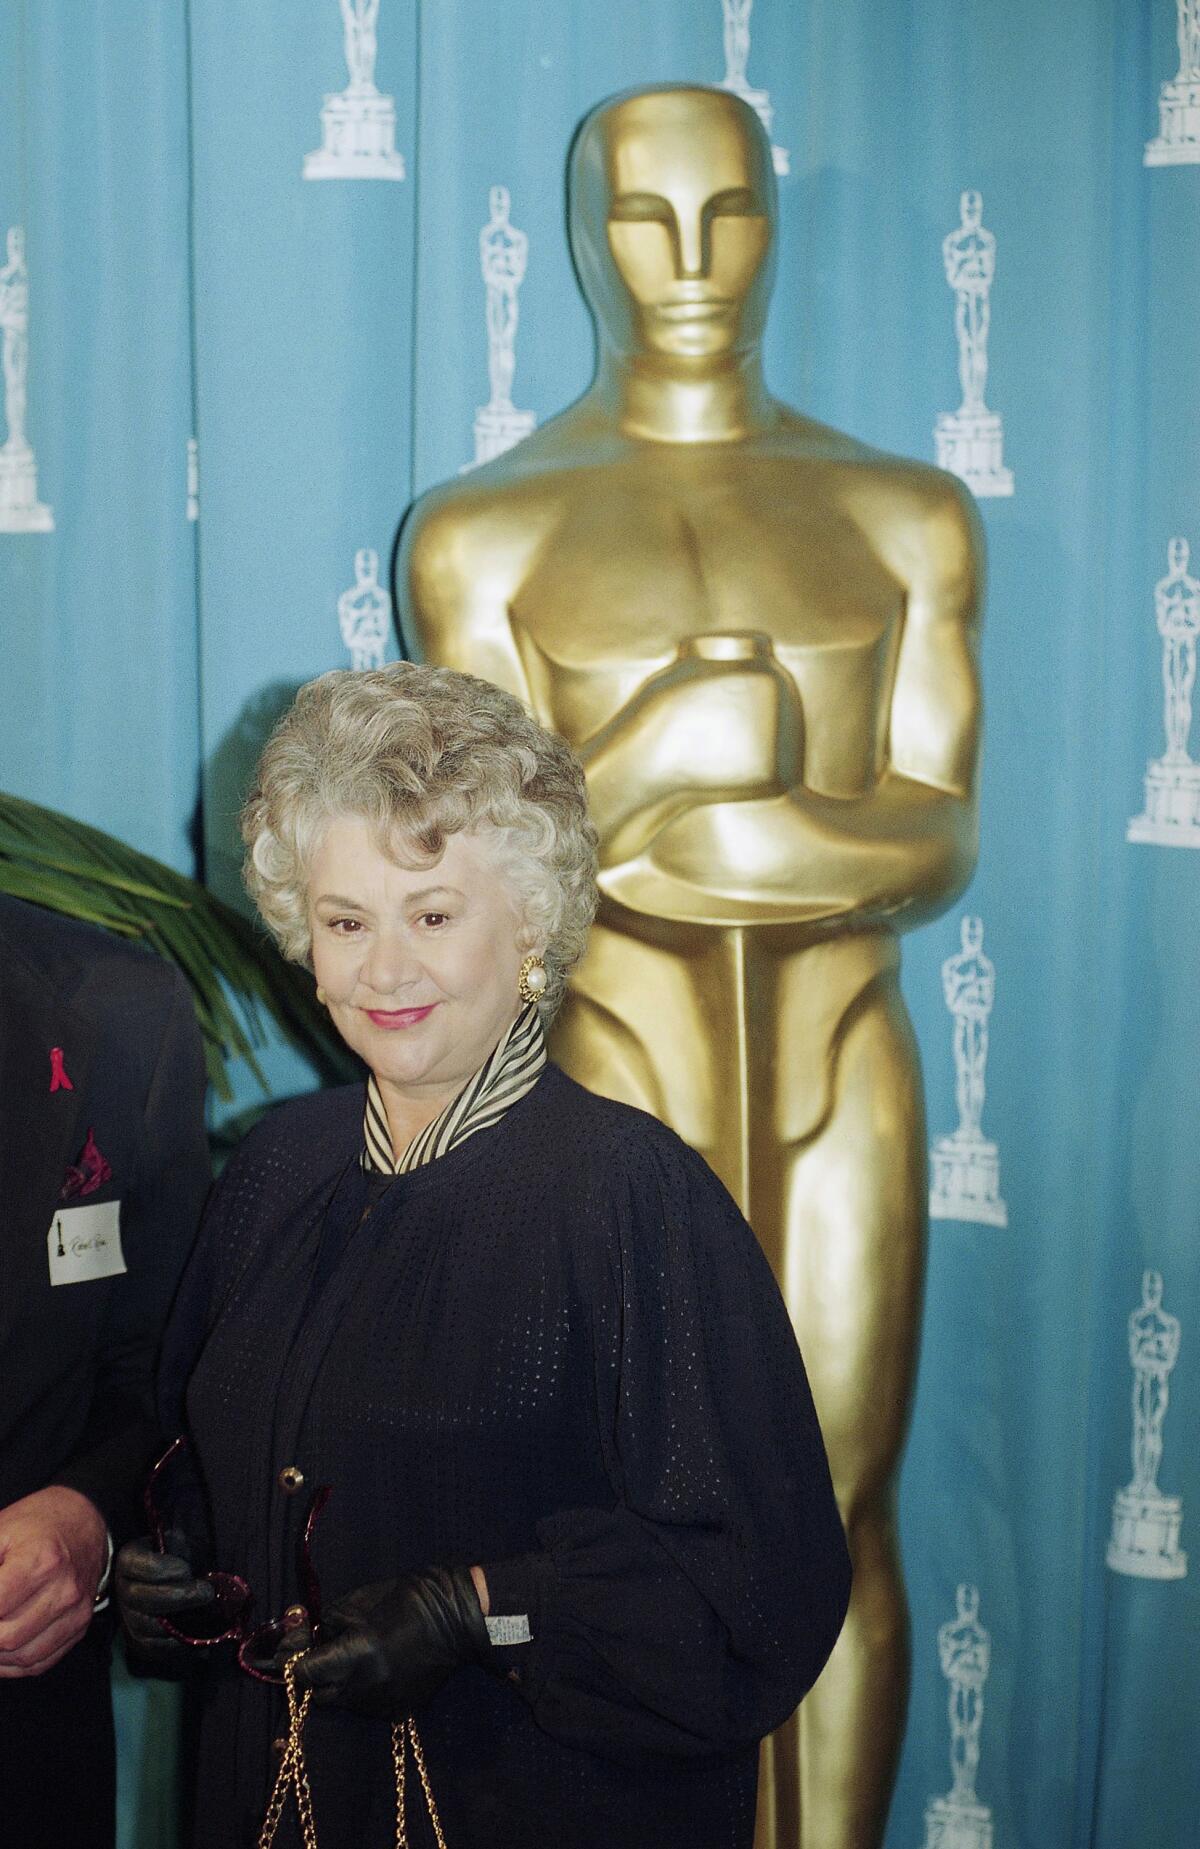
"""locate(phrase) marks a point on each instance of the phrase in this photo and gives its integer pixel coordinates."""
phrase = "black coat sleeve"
(691, 1615)
(158, 1224)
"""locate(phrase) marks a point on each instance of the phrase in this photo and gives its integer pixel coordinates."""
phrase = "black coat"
(557, 1352)
(77, 1359)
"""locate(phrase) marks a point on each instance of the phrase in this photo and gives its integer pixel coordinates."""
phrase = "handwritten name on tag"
(85, 1242)
(509, 1630)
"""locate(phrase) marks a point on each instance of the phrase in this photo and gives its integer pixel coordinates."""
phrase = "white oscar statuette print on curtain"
(20, 509)
(737, 57)
(358, 124)
(365, 612)
(503, 258)
(958, 1820)
(1171, 817)
(1145, 1522)
(970, 441)
(193, 479)
(966, 1166)
(1178, 138)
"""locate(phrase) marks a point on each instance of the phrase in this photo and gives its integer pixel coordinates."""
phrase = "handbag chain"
(293, 1773)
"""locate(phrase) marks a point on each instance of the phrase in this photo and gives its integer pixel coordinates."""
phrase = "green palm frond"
(237, 978)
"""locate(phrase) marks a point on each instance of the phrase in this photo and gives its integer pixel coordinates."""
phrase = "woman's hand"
(149, 1586)
(386, 1649)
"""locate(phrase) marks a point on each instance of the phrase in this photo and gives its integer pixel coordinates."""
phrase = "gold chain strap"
(402, 1731)
(293, 1773)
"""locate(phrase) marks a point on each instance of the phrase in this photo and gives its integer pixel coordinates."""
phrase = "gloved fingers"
(148, 1634)
(159, 1584)
(334, 1663)
(266, 1652)
(148, 1640)
(349, 1670)
(140, 1560)
(165, 1601)
(176, 1542)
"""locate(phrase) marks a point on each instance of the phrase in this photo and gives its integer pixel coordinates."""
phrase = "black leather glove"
(148, 1586)
(386, 1649)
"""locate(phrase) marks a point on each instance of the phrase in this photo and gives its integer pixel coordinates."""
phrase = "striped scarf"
(512, 1069)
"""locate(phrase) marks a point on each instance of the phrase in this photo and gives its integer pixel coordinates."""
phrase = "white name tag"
(509, 1630)
(85, 1242)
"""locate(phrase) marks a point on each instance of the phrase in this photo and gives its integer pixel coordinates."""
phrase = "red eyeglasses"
(228, 1618)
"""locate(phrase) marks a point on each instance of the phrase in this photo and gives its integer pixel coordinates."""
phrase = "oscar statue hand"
(386, 1649)
(722, 723)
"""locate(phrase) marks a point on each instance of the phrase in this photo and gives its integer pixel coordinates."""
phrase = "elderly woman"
(489, 1394)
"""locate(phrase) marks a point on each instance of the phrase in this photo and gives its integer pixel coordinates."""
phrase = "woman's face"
(419, 965)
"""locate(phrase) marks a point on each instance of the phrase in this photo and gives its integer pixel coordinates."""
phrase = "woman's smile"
(398, 1017)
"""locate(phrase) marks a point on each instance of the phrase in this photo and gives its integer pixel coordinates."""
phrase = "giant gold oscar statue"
(760, 636)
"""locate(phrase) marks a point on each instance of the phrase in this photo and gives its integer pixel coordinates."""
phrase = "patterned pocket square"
(89, 1171)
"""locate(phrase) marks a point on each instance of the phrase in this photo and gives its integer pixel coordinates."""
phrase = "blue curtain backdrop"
(324, 344)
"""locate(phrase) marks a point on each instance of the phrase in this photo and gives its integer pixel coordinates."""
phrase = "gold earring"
(531, 983)
(321, 995)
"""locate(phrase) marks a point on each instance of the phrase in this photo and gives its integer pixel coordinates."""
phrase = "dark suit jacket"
(77, 1359)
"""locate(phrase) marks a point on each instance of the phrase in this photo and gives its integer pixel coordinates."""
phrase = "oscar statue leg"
(845, 1233)
(656, 1018)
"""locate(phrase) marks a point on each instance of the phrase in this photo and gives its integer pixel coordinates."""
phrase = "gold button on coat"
(293, 1616)
(291, 1479)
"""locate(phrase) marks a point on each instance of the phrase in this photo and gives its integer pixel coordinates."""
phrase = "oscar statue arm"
(453, 569)
(907, 849)
(697, 730)
(701, 730)
(900, 851)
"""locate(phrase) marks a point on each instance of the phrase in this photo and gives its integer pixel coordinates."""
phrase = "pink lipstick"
(398, 1017)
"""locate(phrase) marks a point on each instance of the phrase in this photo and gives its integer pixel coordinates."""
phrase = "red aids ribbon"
(58, 1072)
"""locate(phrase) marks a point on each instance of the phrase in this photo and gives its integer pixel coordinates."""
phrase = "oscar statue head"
(672, 206)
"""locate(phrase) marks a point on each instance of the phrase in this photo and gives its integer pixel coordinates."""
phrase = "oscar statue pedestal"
(1172, 814)
(497, 428)
(966, 1182)
(971, 445)
(1145, 1535)
(1178, 139)
(20, 509)
(358, 129)
(951, 1825)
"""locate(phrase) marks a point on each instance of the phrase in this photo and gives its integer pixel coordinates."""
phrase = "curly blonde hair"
(423, 753)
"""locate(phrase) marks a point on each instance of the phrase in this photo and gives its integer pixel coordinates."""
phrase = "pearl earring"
(321, 995)
(531, 983)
